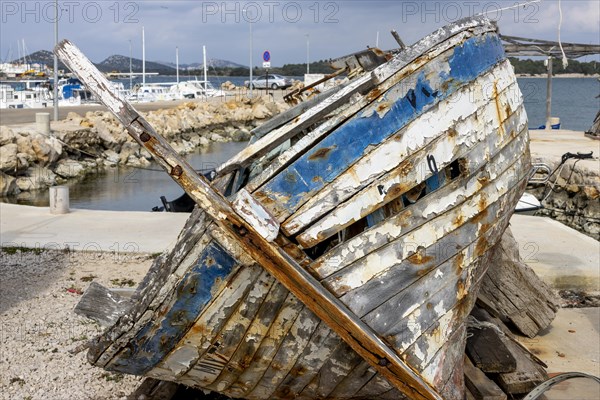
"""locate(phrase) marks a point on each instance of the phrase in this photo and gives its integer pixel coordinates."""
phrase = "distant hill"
(212, 63)
(39, 57)
(121, 64)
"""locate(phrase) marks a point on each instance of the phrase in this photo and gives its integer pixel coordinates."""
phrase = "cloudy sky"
(334, 28)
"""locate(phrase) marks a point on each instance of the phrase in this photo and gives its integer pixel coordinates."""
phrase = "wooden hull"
(396, 195)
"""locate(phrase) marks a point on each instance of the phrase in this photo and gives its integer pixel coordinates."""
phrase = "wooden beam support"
(270, 256)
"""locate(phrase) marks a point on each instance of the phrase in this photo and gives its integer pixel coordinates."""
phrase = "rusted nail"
(144, 137)
(384, 362)
(177, 171)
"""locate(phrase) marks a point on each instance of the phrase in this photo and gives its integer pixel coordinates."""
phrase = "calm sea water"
(573, 99)
(132, 189)
(574, 102)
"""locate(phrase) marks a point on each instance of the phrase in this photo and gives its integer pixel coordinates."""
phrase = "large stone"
(77, 137)
(69, 169)
(24, 145)
(47, 149)
(111, 156)
(128, 149)
(8, 185)
(241, 135)
(215, 137)
(23, 160)
(74, 117)
(7, 136)
(8, 158)
(227, 85)
(37, 178)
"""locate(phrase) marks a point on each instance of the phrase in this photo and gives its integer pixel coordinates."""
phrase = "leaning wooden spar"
(340, 253)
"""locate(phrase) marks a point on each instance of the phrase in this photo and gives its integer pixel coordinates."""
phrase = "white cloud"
(335, 27)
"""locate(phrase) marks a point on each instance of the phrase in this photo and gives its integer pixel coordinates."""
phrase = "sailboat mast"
(177, 62)
(205, 69)
(143, 57)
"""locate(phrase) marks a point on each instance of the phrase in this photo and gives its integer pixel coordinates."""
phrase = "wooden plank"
(440, 310)
(528, 374)
(252, 340)
(354, 381)
(512, 291)
(284, 193)
(153, 290)
(291, 113)
(276, 137)
(195, 290)
(412, 246)
(206, 356)
(268, 348)
(102, 305)
(479, 385)
(256, 215)
(418, 214)
(276, 261)
(340, 364)
(404, 272)
(292, 346)
(379, 388)
(403, 65)
(488, 352)
(433, 312)
(448, 366)
(315, 355)
(416, 141)
(480, 143)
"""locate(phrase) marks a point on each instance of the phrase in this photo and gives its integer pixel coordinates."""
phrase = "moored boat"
(339, 255)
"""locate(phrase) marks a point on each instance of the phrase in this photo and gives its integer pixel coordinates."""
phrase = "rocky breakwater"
(572, 194)
(81, 145)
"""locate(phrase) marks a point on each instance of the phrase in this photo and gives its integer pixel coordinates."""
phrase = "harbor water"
(574, 101)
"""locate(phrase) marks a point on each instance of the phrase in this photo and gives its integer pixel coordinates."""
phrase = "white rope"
(511, 7)
(565, 62)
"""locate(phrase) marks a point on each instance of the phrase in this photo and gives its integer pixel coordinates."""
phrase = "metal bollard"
(59, 200)
(42, 123)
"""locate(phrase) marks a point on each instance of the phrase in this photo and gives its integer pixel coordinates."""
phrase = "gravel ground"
(39, 330)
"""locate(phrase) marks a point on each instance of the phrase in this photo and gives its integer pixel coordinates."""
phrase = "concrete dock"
(88, 230)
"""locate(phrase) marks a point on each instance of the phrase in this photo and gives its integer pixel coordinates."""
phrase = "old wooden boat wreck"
(339, 254)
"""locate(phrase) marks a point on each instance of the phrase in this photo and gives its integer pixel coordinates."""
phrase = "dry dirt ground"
(39, 330)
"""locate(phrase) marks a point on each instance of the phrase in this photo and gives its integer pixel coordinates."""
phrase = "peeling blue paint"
(158, 338)
(348, 143)
(475, 56)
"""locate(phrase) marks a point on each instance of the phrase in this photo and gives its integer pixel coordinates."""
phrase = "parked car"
(274, 82)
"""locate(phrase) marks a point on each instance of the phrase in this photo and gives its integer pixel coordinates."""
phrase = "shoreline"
(596, 76)
(82, 145)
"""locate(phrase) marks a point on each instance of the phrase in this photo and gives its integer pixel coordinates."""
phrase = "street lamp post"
(245, 11)
(55, 75)
(130, 67)
(307, 54)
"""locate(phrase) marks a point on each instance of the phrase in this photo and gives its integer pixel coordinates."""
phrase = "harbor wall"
(86, 144)
(571, 196)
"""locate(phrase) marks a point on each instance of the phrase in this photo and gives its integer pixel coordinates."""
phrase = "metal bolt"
(384, 362)
(177, 171)
(144, 137)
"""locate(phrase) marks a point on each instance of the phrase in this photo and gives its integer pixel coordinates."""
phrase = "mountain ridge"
(120, 63)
